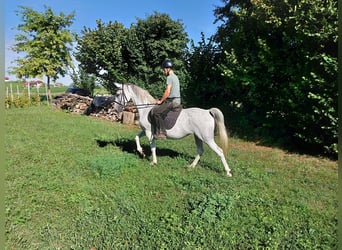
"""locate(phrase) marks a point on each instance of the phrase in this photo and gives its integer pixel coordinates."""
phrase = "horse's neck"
(140, 100)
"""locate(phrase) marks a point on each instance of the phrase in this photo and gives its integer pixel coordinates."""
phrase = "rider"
(170, 97)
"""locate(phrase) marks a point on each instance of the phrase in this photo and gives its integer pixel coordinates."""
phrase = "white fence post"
(18, 93)
(11, 92)
(29, 93)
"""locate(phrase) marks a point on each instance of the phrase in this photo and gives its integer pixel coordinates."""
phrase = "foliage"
(101, 50)
(45, 40)
(90, 189)
(281, 68)
(160, 38)
(22, 101)
(84, 80)
(114, 53)
(204, 88)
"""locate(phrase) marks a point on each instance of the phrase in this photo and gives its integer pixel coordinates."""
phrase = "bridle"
(124, 100)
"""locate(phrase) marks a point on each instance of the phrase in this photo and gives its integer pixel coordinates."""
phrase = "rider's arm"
(166, 94)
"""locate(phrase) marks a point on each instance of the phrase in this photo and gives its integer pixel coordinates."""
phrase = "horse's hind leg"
(212, 144)
(199, 144)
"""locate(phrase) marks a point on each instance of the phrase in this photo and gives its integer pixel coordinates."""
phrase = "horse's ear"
(118, 85)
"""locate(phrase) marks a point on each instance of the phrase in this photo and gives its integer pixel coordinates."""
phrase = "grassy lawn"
(74, 182)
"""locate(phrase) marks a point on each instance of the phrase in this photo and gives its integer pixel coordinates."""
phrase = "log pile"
(102, 107)
(106, 113)
(72, 103)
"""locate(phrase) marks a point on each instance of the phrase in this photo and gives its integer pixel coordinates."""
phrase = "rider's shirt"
(175, 88)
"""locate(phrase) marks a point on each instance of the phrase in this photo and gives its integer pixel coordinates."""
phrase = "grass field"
(73, 182)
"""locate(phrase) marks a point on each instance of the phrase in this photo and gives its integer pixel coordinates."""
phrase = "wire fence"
(24, 96)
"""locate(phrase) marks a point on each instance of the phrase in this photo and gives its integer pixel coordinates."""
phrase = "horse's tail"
(220, 128)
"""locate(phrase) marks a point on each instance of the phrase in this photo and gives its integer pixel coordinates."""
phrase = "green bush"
(23, 101)
(279, 61)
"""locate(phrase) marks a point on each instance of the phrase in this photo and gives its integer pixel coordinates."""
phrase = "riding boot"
(160, 132)
(160, 113)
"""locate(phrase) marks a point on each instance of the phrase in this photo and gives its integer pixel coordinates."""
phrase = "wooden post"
(128, 117)
(18, 93)
(38, 94)
(47, 94)
(11, 93)
(29, 93)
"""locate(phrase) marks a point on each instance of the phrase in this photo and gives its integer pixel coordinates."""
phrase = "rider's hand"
(158, 101)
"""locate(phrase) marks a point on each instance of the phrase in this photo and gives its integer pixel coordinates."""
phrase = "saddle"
(171, 116)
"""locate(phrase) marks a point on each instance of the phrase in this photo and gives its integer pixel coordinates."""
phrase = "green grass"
(74, 182)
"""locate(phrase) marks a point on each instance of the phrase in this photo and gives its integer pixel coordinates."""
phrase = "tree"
(160, 38)
(100, 52)
(84, 80)
(281, 67)
(117, 54)
(45, 41)
(205, 81)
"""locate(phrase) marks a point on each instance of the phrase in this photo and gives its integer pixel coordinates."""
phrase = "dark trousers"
(159, 113)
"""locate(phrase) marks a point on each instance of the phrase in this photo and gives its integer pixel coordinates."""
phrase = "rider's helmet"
(167, 64)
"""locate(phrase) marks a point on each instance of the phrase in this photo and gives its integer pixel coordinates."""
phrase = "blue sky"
(197, 16)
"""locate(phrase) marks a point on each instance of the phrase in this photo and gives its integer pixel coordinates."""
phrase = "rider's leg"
(159, 113)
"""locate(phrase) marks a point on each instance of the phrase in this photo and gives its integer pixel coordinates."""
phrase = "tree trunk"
(49, 89)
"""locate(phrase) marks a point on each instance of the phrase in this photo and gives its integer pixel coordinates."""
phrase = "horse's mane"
(141, 93)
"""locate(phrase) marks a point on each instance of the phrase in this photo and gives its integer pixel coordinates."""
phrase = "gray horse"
(200, 122)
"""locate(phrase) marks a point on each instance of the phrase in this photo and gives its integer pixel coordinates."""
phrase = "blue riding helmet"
(167, 64)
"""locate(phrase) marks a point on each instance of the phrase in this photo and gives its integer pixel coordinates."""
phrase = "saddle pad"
(171, 117)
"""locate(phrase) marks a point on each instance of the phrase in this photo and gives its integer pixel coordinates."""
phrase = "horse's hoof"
(153, 163)
(229, 175)
(141, 153)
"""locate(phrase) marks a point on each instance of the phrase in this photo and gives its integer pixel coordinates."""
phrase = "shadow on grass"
(129, 146)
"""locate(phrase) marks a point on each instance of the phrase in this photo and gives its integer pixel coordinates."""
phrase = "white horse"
(202, 123)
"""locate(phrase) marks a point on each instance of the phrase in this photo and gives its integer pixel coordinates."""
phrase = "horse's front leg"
(152, 146)
(137, 141)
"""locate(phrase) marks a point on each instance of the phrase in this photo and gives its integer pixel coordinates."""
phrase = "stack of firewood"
(105, 112)
(72, 102)
(102, 107)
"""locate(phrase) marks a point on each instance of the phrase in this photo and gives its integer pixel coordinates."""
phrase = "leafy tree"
(45, 41)
(205, 87)
(160, 38)
(133, 54)
(281, 67)
(100, 52)
(84, 80)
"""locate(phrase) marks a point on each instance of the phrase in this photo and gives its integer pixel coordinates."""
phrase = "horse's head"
(127, 92)
(120, 98)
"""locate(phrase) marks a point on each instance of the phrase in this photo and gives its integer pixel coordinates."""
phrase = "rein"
(125, 100)
(145, 105)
